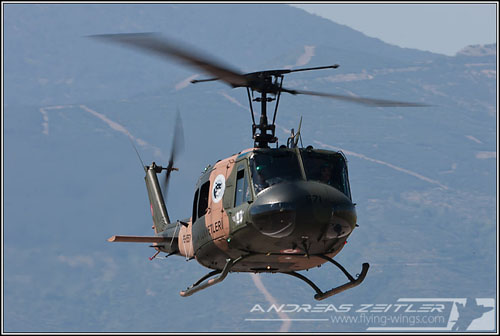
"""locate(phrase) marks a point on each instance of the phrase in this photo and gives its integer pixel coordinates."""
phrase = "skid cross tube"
(198, 285)
(320, 295)
(340, 267)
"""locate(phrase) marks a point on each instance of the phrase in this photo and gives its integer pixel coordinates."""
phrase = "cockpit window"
(203, 200)
(242, 190)
(272, 167)
(326, 168)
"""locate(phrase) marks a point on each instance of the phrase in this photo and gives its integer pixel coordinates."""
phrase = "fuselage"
(279, 206)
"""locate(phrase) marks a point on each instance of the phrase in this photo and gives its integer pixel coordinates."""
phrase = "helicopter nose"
(300, 207)
(275, 220)
(274, 211)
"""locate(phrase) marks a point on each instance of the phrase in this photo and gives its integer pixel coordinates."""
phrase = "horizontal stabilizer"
(137, 239)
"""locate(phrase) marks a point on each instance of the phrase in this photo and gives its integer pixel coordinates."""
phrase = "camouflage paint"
(225, 231)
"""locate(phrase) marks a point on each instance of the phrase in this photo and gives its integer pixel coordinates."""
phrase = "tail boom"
(158, 208)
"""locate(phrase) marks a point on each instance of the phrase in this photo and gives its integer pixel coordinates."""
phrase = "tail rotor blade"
(178, 141)
(177, 148)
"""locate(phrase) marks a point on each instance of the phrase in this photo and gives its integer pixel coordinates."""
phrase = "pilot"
(326, 176)
(259, 180)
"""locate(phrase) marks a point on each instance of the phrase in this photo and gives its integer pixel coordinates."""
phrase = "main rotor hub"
(269, 82)
(263, 133)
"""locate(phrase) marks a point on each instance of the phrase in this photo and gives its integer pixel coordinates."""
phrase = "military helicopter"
(275, 210)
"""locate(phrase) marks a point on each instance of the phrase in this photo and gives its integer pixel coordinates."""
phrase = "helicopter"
(267, 209)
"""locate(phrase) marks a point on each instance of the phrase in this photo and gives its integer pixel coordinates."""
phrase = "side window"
(203, 200)
(345, 178)
(195, 207)
(242, 190)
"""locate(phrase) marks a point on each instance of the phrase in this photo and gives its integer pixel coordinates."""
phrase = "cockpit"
(273, 166)
(270, 167)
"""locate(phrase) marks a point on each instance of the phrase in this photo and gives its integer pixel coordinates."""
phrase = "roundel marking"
(218, 188)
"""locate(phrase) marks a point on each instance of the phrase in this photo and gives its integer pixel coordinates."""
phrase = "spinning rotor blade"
(259, 81)
(177, 148)
(158, 44)
(155, 43)
(358, 100)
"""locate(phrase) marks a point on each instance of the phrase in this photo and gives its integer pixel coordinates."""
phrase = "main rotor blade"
(358, 100)
(155, 43)
(335, 66)
(279, 72)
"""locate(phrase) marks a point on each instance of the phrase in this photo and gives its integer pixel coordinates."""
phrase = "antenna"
(293, 140)
(137, 152)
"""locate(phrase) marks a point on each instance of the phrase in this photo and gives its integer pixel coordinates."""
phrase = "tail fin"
(158, 209)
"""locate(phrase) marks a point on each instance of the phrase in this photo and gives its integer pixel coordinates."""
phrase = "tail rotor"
(177, 148)
(156, 195)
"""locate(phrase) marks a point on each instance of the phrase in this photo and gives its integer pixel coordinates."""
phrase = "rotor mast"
(269, 83)
(263, 133)
(262, 138)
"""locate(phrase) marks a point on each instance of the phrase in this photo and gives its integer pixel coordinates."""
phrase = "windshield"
(273, 166)
(326, 168)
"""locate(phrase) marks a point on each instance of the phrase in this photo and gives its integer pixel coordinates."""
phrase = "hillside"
(424, 180)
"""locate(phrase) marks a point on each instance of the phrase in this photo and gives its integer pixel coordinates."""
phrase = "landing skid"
(320, 295)
(198, 285)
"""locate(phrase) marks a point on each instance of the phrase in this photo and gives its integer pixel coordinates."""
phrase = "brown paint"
(216, 219)
(185, 240)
